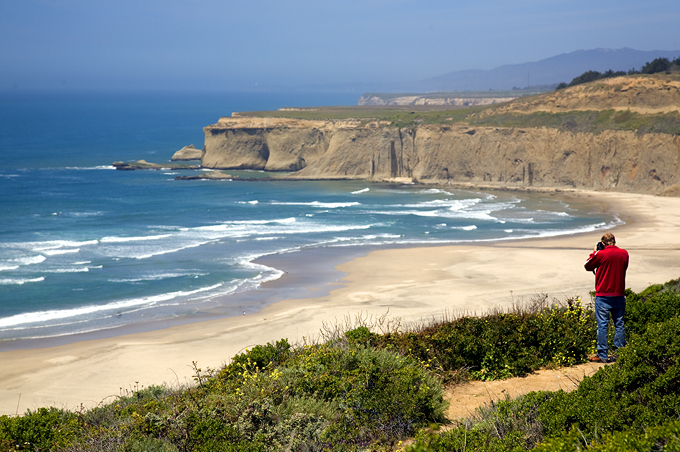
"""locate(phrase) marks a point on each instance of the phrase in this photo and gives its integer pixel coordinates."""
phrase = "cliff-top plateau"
(617, 134)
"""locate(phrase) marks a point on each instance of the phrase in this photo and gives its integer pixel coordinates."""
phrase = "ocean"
(85, 248)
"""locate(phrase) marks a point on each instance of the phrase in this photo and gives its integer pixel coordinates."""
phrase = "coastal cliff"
(465, 152)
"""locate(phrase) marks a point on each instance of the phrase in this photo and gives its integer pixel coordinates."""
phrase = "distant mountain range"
(549, 71)
(560, 68)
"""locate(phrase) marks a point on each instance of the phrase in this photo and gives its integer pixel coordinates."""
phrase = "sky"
(231, 45)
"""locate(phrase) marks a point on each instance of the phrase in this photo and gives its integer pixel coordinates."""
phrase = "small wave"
(434, 191)
(57, 252)
(20, 281)
(156, 277)
(363, 190)
(323, 205)
(465, 228)
(54, 244)
(87, 168)
(249, 202)
(8, 267)
(85, 214)
(28, 260)
(173, 250)
(69, 270)
(115, 239)
(60, 314)
(453, 204)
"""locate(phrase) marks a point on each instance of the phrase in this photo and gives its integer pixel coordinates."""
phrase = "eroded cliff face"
(512, 157)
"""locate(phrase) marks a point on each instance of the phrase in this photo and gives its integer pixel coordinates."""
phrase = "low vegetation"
(656, 66)
(587, 121)
(395, 116)
(370, 388)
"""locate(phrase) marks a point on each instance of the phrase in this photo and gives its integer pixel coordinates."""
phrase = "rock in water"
(188, 153)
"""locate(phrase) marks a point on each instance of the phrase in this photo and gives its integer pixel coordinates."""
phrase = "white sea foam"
(115, 239)
(54, 244)
(69, 270)
(20, 281)
(323, 205)
(85, 214)
(363, 190)
(57, 252)
(102, 167)
(29, 260)
(465, 228)
(172, 250)
(434, 191)
(8, 267)
(74, 313)
(158, 276)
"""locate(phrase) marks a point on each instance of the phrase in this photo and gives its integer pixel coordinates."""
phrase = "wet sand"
(410, 284)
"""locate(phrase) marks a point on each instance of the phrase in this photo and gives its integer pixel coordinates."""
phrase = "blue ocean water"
(86, 248)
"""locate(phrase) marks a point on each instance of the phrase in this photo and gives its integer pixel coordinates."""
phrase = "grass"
(397, 116)
(594, 122)
(590, 121)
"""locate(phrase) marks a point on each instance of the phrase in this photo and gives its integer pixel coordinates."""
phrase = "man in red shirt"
(610, 265)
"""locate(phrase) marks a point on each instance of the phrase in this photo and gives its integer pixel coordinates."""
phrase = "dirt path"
(465, 398)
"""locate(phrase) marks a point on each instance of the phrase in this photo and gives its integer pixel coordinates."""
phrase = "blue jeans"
(603, 307)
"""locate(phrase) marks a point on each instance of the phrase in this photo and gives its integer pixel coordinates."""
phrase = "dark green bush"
(664, 437)
(657, 65)
(43, 429)
(657, 303)
(327, 395)
(262, 356)
(641, 389)
(500, 345)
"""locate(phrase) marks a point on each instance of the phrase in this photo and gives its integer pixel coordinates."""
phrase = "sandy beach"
(408, 284)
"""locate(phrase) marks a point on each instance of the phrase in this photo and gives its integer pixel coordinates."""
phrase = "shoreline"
(411, 283)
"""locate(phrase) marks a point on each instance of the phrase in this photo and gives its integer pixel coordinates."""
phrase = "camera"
(600, 246)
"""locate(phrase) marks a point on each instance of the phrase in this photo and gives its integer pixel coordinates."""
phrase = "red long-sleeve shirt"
(610, 264)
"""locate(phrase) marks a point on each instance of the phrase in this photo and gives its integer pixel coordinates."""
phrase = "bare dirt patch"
(467, 397)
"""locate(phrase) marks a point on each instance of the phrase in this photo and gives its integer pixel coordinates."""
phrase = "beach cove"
(413, 284)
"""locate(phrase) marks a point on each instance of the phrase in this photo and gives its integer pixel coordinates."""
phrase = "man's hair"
(608, 239)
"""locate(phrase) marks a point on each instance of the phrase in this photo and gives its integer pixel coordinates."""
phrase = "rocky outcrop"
(188, 153)
(143, 165)
(513, 157)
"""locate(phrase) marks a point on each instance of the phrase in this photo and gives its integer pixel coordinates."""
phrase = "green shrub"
(325, 394)
(664, 437)
(500, 345)
(43, 429)
(641, 389)
(657, 303)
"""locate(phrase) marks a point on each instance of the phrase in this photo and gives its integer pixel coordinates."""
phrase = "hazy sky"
(231, 44)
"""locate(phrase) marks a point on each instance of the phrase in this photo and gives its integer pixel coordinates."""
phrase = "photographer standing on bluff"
(609, 263)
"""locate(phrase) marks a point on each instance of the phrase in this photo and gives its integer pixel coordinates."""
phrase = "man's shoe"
(597, 359)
